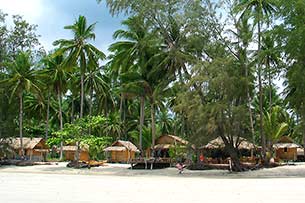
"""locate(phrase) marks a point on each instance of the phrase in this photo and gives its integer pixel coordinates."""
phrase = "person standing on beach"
(180, 167)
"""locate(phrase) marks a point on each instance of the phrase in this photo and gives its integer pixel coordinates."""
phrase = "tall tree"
(260, 9)
(57, 76)
(21, 78)
(291, 35)
(79, 50)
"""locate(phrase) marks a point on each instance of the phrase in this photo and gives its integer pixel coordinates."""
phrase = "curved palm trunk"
(60, 122)
(21, 123)
(142, 103)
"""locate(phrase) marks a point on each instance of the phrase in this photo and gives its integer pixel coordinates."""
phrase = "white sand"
(116, 183)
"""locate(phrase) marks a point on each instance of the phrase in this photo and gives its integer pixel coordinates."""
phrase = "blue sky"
(52, 15)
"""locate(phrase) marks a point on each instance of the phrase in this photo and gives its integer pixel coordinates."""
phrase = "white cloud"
(31, 10)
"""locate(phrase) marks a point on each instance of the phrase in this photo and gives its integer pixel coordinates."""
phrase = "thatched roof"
(162, 146)
(285, 139)
(300, 151)
(168, 141)
(218, 143)
(74, 148)
(28, 143)
(286, 142)
(121, 145)
(115, 148)
(175, 139)
(285, 145)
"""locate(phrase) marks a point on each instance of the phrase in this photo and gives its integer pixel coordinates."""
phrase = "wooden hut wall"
(119, 156)
(287, 154)
(122, 156)
(83, 156)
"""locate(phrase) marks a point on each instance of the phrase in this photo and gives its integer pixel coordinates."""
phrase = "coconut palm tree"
(260, 9)
(275, 124)
(270, 58)
(80, 51)
(21, 78)
(57, 76)
(130, 61)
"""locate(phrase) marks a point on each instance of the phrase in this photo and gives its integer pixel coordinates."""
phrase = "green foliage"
(53, 141)
(96, 146)
(275, 124)
(178, 152)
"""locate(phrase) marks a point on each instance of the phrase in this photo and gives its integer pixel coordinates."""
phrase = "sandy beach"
(117, 183)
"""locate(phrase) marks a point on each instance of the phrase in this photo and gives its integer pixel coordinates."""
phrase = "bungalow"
(69, 153)
(121, 151)
(165, 142)
(34, 148)
(286, 149)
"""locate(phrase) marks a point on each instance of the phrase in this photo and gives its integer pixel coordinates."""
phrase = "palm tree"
(79, 50)
(57, 76)
(275, 124)
(270, 57)
(130, 60)
(21, 79)
(259, 8)
(96, 83)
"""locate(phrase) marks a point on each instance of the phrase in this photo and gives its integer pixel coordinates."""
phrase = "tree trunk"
(142, 103)
(270, 85)
(72, 110)
(81, 95)
(304, 135)
(121, 106)
(153, 123)
(60, 122)
(232, 151)
(236, 166)
(262, 135)
(48, 115)
(249, 103)
(90, 104)
(21, 122)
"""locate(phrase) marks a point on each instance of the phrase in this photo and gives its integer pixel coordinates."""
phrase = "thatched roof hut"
(286, 149)
(167, 141)
(34, 148)
(121, 151)
(218, 143)
(70, 151)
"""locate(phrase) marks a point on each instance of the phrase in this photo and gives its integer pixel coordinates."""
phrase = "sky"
(52, 15)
